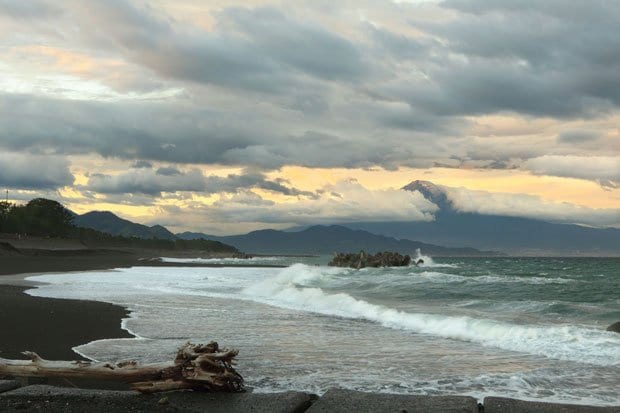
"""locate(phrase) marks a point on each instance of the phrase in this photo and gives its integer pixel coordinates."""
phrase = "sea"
(528, 328)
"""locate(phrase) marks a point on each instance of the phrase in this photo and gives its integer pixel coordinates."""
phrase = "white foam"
(299, 287)
(523, 280)
(439, 277)
(219, 260)
(573, 343)
(429, 262)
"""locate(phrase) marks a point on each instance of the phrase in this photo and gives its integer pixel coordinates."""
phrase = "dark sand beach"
(63, 262)
(51, 327)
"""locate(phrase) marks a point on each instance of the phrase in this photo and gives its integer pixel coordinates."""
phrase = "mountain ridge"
(110, 223)
(327, 239)
(451, 229)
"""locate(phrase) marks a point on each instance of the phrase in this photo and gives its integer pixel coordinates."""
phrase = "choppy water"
(532, 328)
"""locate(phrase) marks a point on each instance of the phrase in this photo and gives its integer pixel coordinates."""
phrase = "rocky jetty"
(362, 260)
(615, 327)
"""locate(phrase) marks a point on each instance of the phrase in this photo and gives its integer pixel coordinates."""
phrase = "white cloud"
(530, 206)
(345, 201)
(583, 167)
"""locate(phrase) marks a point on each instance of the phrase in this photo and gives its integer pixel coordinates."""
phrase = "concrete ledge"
(6, 385)
(505, 405)
(57, 399)
(46, 398)
(340, 400)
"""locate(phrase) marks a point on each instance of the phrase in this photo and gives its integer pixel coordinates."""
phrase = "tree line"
(47, 218)
(40, 217)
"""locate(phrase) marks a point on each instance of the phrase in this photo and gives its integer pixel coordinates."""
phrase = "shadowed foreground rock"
(505, 405)
(56, 399)
(341, 400)
(362, 260)
(45, 398)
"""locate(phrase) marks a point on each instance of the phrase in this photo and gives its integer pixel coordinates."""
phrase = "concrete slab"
(55, 399)
(340, 400)
(6, 385)
(506, 405)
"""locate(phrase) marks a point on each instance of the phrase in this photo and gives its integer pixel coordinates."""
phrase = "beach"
(52, 326)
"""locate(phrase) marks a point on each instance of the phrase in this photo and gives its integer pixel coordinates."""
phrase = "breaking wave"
(428, 261)
(294, 288)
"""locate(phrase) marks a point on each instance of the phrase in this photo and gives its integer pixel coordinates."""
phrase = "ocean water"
(531, 328)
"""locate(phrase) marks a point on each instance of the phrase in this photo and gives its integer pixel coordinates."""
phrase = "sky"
(230, 116)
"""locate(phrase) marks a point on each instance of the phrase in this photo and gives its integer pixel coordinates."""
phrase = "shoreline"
(49, 316)
(51, 327)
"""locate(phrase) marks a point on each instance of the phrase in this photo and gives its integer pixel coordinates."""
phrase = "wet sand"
(51, 327)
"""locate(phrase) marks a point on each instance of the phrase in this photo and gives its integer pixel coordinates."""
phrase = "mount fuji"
(508, 234)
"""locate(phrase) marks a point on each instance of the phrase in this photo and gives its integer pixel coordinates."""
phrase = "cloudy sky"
(226, 116)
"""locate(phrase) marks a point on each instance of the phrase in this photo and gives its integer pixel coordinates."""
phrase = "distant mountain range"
(109, 223)
(314, 240)
(321, 239)
(513, 235)
(448, 234)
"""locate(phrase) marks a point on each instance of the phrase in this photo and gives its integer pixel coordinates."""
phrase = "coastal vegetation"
(42, 217)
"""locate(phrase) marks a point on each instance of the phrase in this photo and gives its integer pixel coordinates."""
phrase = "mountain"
(109, 223)
(321, 239)
(433, 193)
(512, 235)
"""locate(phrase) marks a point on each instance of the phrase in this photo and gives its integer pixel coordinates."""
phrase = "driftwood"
(196, 367)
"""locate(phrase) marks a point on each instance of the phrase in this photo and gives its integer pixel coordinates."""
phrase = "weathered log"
(196, 367)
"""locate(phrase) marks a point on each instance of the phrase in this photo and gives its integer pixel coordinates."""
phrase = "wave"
(217, 260)
(429, 262)
(439, 277)
(292, 288)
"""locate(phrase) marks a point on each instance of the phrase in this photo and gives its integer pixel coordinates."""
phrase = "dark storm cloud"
(405, 47)
(267, 87)
(31, 9)
(146, 182)
(164, 132)
(25, 171)
(537, 58)
(258, 49)
(300, 44)
(169, 179)
(175, 134)
(233, 183)
(578, 136)
(168, 171)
